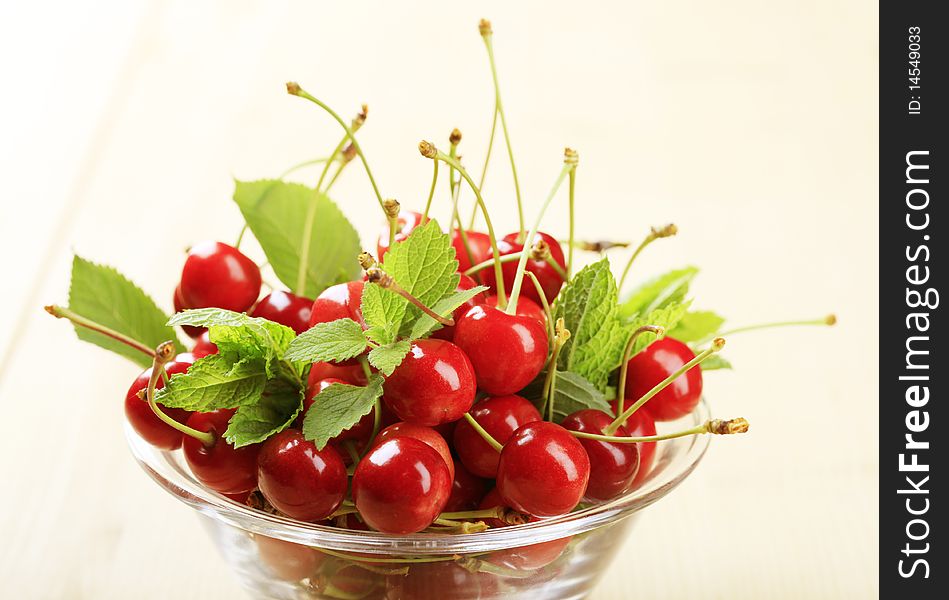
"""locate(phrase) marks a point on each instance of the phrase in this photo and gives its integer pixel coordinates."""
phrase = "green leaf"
(715, 362)
(667, 318)
(214, 382)
(281, 402)
(104, 295)
(387, 358)
(696, 325)
(424, 265)
(444, 307)
(336, 340)
(658, 292)
(572, 393)
(288, 219)
(339, 407)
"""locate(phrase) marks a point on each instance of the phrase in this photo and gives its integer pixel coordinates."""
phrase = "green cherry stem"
(627, 354)
(164, 353)
(570, 163)
(392, 208)
(828, 320)
(483, 433)
(306, 163)
(561, 336)
(654, 234)
(548, 314)
(64, 313)
(717, 344)
(382, 279)
(570, 242)
(714, 426)
(490, 263)
(484, 169)
(431, 192)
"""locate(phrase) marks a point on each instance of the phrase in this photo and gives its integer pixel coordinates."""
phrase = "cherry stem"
(449, 526)
(550, 381)
(430, 151)
(431, 192)
(455, 189)
(717, 344)
(484, 169)
(294, 89)
(522, 264)
(828, 320)
(627, 354)
(598, 246)
(306, 163)
(474, 565)
(376, 408)
(351, 451)
(487, 35)
(384, 280)
(556, 267)
(64, 313)
(490, 263)
(714, 426)
(484, 434)
(164, 353)
(548, 314)
(570, 244)
(392, 208)
(654, 234)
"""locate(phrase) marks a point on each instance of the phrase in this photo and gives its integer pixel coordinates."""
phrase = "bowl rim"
(169, 471)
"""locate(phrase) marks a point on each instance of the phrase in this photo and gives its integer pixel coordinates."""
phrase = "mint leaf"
(444, 307)
(715, 362)
(424, 265)
(696, 325)
(572, 393)
(278, 407)
(104, 295)
(387, 358)
(657, 293)
(213, 382)
(339, 407)
(290, 219)
(667, 318)
(337, 340)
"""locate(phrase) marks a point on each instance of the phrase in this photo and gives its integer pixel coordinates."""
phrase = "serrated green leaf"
(290, 219)
(572, 392)
(382, 310)
(387, 358)
(696, 325)
(278, 407)
(444, 307)
(658, 292)
(715, 362)
(214, 382)
(104, 295)
(339, 407)
(337, 340)
(667, 318)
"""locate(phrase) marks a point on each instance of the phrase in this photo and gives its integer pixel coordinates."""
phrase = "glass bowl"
(557, 559)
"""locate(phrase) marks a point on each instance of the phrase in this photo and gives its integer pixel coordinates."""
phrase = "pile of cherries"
(457, 438)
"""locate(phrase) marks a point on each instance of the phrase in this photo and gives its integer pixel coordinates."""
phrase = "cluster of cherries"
(458, 439)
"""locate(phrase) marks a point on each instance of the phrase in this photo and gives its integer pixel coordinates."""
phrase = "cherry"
(297, 479)
(286, 560)
(401, 486)
(348, 580)
(507, 351)
(464, 283)
(550, 280)
(240, 498)
(285, 308)
(525, 307)
(435, 384)
(408, 220)
(140, 415)
(220, 466)
(218, 275)
(478, 242)
(467, 491)
(179, 304)
(648, 368)
(640, 424)
(340, 301)
(358, 433)
(423, 434)
(351, 374)
(203, 346)
(522, 558)
(613, 466)
(543, 470)
(441, 581)
(500, 416)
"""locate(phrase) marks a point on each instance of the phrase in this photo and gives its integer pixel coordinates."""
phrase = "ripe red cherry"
(523, 558)
(140, 415)
(407, 221)
(351, 374)
(500, 416)
(466, 490)
(441, 581)
(543, 470)
(478, 242)
(340, 301)
(218, 275)
(640, 424)
(423, 434)
(286, 560)
(648, 368)
(401, 486)
(525, 307)
(285, 308)
(548, 277)
(435, 384)
(203, 346)
(612, 466)
(358, 433)
(464, 283)
(507, 351)
(221, 466)
(190, 330)
(297, 479)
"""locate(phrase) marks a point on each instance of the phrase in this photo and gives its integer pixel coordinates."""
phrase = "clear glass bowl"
(556, 559)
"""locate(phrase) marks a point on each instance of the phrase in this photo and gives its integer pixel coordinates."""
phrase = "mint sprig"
(333, 341)
(339, 407)
(697, 325)
(666, 289)
(215, 381)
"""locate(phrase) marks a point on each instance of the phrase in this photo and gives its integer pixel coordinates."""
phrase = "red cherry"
(285, 308)
(466, 490)
(525, 307)
(221, 466)
(401, 486)
(543, 470)
(435, 384)
(140, 415)
(286, 560)
(648, 368)
(612, 466)
(190, 330)
(500, 416)
(218, 275)
(464, 283)
(203, 346)
(358, 433)
(507, 351)
(640, 424)
(548, 277)
(422, 434)
(297, 479)
(352, 581)
(340, 301)
(523, 558)
(351, 374)
(441, 581)
(478, 242)
(407, 221)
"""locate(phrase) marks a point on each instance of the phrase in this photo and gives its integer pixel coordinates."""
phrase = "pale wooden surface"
(752, 125)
